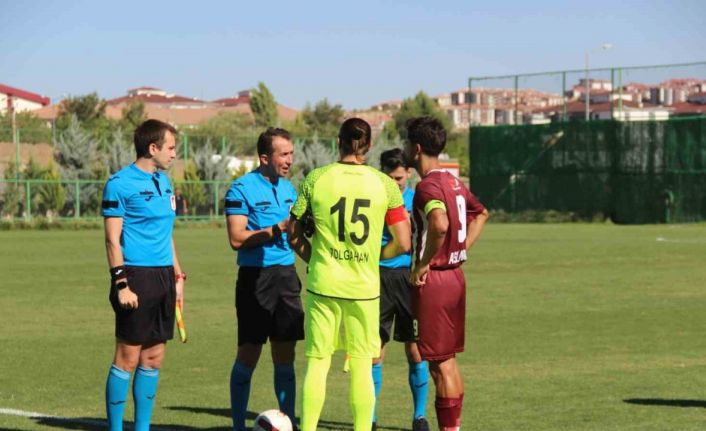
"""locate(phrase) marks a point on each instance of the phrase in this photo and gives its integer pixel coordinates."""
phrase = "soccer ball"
(272, 420)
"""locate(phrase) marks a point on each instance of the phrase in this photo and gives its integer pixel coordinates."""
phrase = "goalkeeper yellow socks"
(314, 392)
(362, 393)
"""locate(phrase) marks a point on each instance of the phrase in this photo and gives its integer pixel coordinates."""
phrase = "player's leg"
(322, 320)
(387, 316)
(144, 388)
(406, 332)
(449, 393)
(158, 303)
(377, 381)
(418, 379)
(253, 328)
(117, 385)
(287, 329)
(441, 310)
(361, 320)
(285, 383)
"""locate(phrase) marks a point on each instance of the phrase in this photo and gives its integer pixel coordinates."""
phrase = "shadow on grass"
(96, 424)
(225, 412)
(666, 402)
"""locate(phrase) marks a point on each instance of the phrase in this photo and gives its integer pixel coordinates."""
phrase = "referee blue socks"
(240, 377)
(285, 389)
(377, 382)
(144, 390)
(116, 389)
(419, 385)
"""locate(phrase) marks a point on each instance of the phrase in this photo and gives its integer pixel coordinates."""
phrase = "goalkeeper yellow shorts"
(322, 326)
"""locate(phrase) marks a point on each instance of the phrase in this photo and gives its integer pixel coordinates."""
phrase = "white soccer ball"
(272, 420)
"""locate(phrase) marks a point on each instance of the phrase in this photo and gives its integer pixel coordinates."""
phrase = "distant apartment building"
(18, 100)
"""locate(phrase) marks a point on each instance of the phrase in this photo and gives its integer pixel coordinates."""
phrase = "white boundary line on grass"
(35, 415)
(682, 241)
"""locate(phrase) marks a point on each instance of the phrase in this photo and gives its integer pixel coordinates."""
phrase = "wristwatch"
(276, 231)
(121, 285)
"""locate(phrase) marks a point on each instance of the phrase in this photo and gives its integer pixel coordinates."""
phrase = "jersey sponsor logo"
(457, 257)
(172, 199)
(349, 255)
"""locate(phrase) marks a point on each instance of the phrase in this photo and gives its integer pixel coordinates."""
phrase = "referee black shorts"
(396, 305)
(153, 319)
(268, 304)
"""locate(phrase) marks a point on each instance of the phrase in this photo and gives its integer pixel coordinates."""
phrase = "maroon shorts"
(440, 309)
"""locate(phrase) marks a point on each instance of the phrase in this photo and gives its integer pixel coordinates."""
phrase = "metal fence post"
(28, 200)
(77, 189)
(516, 98)
(215, 196)
(16, 137)
(563, 95)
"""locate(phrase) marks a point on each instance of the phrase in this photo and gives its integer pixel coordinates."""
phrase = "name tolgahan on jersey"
(349, 255)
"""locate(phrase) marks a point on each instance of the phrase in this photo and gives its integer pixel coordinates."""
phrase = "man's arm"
(240, 237)
(436, 231)
(401, 242)
(113, 227)
(179, 279)
(475, 227)
(297, 240)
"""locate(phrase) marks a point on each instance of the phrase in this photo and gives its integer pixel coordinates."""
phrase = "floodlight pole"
(604, 47)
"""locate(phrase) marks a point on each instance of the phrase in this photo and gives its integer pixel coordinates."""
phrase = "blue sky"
(354, 53)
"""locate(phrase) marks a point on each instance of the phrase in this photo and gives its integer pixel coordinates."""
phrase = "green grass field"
(570, 327)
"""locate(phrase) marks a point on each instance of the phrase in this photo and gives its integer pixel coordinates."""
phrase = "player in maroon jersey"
(447, 221)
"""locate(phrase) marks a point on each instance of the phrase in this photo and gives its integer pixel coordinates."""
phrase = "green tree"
(235, 129)
(89, 110)
(12, 196)
(297, 127)
(418, 106)
(78, 157)
(133, 115)
(264, 106)
(47, 199)
(323, 119)
(32, 129)
(121, 152)
(457, 148)
(193, 189)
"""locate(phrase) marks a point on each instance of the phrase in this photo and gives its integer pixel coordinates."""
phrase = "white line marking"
(681, 241)
(35, 415)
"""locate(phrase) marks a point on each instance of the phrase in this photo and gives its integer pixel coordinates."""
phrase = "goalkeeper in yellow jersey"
(348, 203)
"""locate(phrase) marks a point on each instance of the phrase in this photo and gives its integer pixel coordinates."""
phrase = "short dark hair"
(354, 136)
(392, 159)
(429, 133)
(151, 132)
(264, 142)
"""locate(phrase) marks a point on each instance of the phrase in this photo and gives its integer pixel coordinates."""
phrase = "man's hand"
(127, 298)
(283, 225)
(180, 293)
(419, 275)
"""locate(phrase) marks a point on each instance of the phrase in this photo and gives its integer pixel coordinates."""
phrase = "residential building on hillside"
(18, 100)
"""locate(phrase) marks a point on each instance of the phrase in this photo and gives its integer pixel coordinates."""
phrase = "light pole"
(587, 94)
